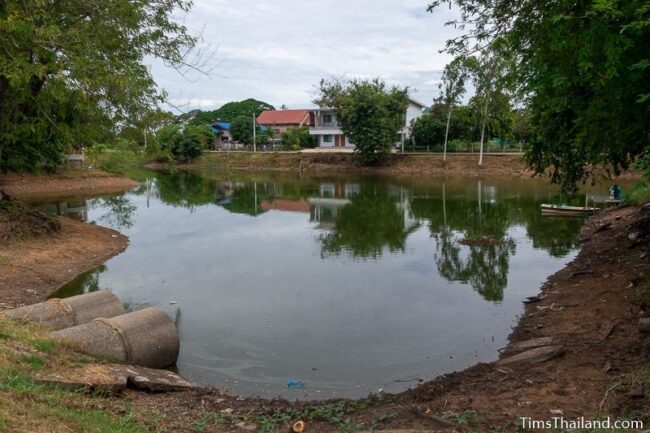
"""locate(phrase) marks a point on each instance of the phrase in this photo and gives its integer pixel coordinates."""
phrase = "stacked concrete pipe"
(146, 337)
(73, 311)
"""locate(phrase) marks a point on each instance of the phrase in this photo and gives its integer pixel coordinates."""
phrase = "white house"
(329, 133)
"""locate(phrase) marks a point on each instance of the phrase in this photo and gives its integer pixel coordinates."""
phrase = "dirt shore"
(32, 187)
(587, 309)
(33, 268)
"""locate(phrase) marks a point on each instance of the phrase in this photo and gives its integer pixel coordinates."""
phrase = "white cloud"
(278, 51)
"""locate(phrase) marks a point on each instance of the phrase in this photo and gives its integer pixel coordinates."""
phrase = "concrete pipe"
(146, 337)
(64, 313)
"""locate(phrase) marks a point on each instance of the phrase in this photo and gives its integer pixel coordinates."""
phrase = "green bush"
(457, 145)
(114, 157)
(298, 138)
(183, 144)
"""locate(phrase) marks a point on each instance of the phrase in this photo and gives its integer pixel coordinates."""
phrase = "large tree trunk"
(444, 154)
(480, 158)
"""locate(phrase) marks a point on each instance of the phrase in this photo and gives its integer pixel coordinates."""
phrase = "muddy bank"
(32, 269)
(31, 187)
(35, 263)
(590, 310)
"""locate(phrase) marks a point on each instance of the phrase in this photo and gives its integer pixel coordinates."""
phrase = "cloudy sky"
(278, 50)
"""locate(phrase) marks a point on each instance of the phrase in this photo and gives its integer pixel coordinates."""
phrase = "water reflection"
(365, 218)
(347, 283)
(365, 221)
(84, 283)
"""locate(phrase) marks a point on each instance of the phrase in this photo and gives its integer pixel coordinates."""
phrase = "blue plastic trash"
(295, 384)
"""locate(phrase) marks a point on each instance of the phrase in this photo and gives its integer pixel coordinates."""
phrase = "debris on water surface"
(532, 300)
(295, 384)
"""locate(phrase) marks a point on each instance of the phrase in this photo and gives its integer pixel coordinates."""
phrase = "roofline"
(416, 102)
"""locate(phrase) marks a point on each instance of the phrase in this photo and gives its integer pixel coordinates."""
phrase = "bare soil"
(39, 253)
(32, 187)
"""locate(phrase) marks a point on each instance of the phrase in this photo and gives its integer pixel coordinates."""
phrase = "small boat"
(560, 209)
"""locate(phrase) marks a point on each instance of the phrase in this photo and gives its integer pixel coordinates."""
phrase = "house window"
(327, 138)
(327, 118)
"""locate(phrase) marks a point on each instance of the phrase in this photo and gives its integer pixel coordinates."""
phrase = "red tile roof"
(283, 117)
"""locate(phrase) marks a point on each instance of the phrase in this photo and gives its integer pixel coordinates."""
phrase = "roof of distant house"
(284, 117)
(416, 102)
(225, 126)
(221, 126)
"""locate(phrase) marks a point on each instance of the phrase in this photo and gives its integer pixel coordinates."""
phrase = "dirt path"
(33, 187)
(586, 308)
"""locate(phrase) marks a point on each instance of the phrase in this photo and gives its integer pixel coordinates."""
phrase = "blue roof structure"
(225, 126)
(221, 126)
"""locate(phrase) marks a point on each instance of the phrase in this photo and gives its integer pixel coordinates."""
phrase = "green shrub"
(457, 145)
(298, 138)
(183, 144)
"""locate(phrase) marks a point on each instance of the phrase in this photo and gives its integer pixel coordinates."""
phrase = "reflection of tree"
(184, 189)
(246, 200)
(484, 263)
(484, 266)
(84, 283)
(370, 222)
(120, 211)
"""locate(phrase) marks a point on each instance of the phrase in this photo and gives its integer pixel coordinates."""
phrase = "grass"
(640, 193)
(29, 406)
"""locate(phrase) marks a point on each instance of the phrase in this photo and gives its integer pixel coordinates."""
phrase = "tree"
(370, 114)
(428, 130)
(452, 89)
(241, 130)
(497, 119)
(298, 138)
(582, 68)
(71, 72)
(226, 113)
(488, 71)
(522, 130)
(184, 143)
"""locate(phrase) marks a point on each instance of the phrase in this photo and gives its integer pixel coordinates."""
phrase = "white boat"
(560, 209)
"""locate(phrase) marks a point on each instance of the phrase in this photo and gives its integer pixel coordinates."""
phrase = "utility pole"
(254, 133)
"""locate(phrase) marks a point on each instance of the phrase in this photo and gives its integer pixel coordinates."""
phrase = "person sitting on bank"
(615, 192)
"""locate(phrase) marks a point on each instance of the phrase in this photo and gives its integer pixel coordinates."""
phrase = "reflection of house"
(324, 210)
(329, 133)
(332, 197)
(75, 209)
(286, 205)
(280, 121)
(346, 190)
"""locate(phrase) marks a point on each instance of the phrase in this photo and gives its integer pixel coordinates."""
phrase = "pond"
(346, 284)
